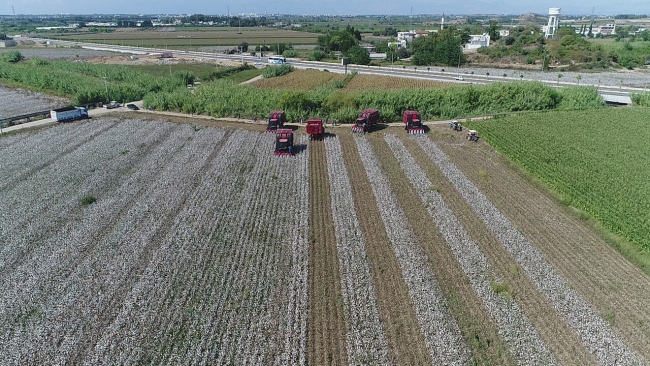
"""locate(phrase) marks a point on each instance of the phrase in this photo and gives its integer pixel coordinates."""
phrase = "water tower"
(553, 14)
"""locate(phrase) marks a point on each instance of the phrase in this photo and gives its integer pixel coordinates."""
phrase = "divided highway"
(618, 94)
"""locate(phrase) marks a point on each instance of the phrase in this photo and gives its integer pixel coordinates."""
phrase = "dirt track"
(326, 323)
(405, 340)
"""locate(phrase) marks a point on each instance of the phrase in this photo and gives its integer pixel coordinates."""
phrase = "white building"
(478, 41)
(406, 36)
(504, 33)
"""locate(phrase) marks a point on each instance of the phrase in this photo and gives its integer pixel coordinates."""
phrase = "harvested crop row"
(366, 341)
(524, 342)
(441, 333)
(327, 333)
(406, 344)
(597, 336)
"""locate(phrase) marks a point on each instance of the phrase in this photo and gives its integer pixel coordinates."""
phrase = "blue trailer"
(68, 114)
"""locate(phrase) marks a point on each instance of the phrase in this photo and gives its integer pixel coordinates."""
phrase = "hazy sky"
(315, 7)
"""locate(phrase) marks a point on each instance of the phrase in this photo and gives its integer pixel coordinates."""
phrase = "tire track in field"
(601, 275)
(479, 332)
(595, 333)
(406, 345)
(326, 344)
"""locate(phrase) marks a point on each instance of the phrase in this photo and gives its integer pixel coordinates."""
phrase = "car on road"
(459, 77)
(132, 107)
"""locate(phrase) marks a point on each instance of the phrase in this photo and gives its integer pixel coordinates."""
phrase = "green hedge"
(221, 99)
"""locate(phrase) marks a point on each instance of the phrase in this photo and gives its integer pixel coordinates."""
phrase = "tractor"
(276, 120)
(283, 142)
(472, 136)
(315, 128)
(412, 122)
(455, 125)
(367, 118)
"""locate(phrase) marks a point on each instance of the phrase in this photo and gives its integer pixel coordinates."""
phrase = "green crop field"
(596, 160)
(195, 37)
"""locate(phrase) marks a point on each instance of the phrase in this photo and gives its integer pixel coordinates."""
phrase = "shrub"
(274, 71)
(290, 53)
(317, 55)
(87, 200)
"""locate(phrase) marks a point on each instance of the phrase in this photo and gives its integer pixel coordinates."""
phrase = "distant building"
(406, 36)
(101, 24)
(504, 33)
(7, 43)
(398, 45)
(606, 30)
(478, 41)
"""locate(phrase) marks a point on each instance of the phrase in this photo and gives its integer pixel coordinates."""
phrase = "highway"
(617, 93)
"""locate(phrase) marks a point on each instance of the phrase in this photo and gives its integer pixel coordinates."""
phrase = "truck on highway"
(68, 114)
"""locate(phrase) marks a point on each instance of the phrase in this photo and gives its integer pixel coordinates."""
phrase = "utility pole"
(106, 86)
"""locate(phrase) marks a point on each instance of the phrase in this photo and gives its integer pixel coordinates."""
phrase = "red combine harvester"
(412, 122)
(276, 120)
(367, 118)
(283, 142)
(315, 128)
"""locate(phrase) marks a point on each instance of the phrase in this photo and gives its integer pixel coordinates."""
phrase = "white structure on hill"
(553, 15)
(477, 41)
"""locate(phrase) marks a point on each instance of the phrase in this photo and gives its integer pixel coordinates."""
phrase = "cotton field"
(140, 241)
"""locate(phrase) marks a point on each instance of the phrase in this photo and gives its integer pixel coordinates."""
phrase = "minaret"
(442, 22)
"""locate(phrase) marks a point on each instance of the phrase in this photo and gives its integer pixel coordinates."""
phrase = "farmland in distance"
(138, 241)
(196, 37)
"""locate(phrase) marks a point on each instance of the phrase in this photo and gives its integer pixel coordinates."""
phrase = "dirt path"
(326, 343)
(405, 340)
(564, 344)
(613, 286)
(479, 332)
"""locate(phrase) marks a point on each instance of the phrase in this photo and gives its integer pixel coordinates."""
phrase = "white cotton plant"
(594, 332)
(525, 344)
(366, 342)
(441, 333)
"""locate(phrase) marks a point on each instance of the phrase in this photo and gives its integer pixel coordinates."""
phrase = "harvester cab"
(283, 142)
(315, 128)
(276, 120)
(412, 122)
(472, 136)
(367, 119)
(455, 125)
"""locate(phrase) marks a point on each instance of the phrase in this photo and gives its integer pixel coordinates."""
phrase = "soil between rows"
(607, 281)
(479, 332)
(326, 342)
(559, 338)
(405, 340)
